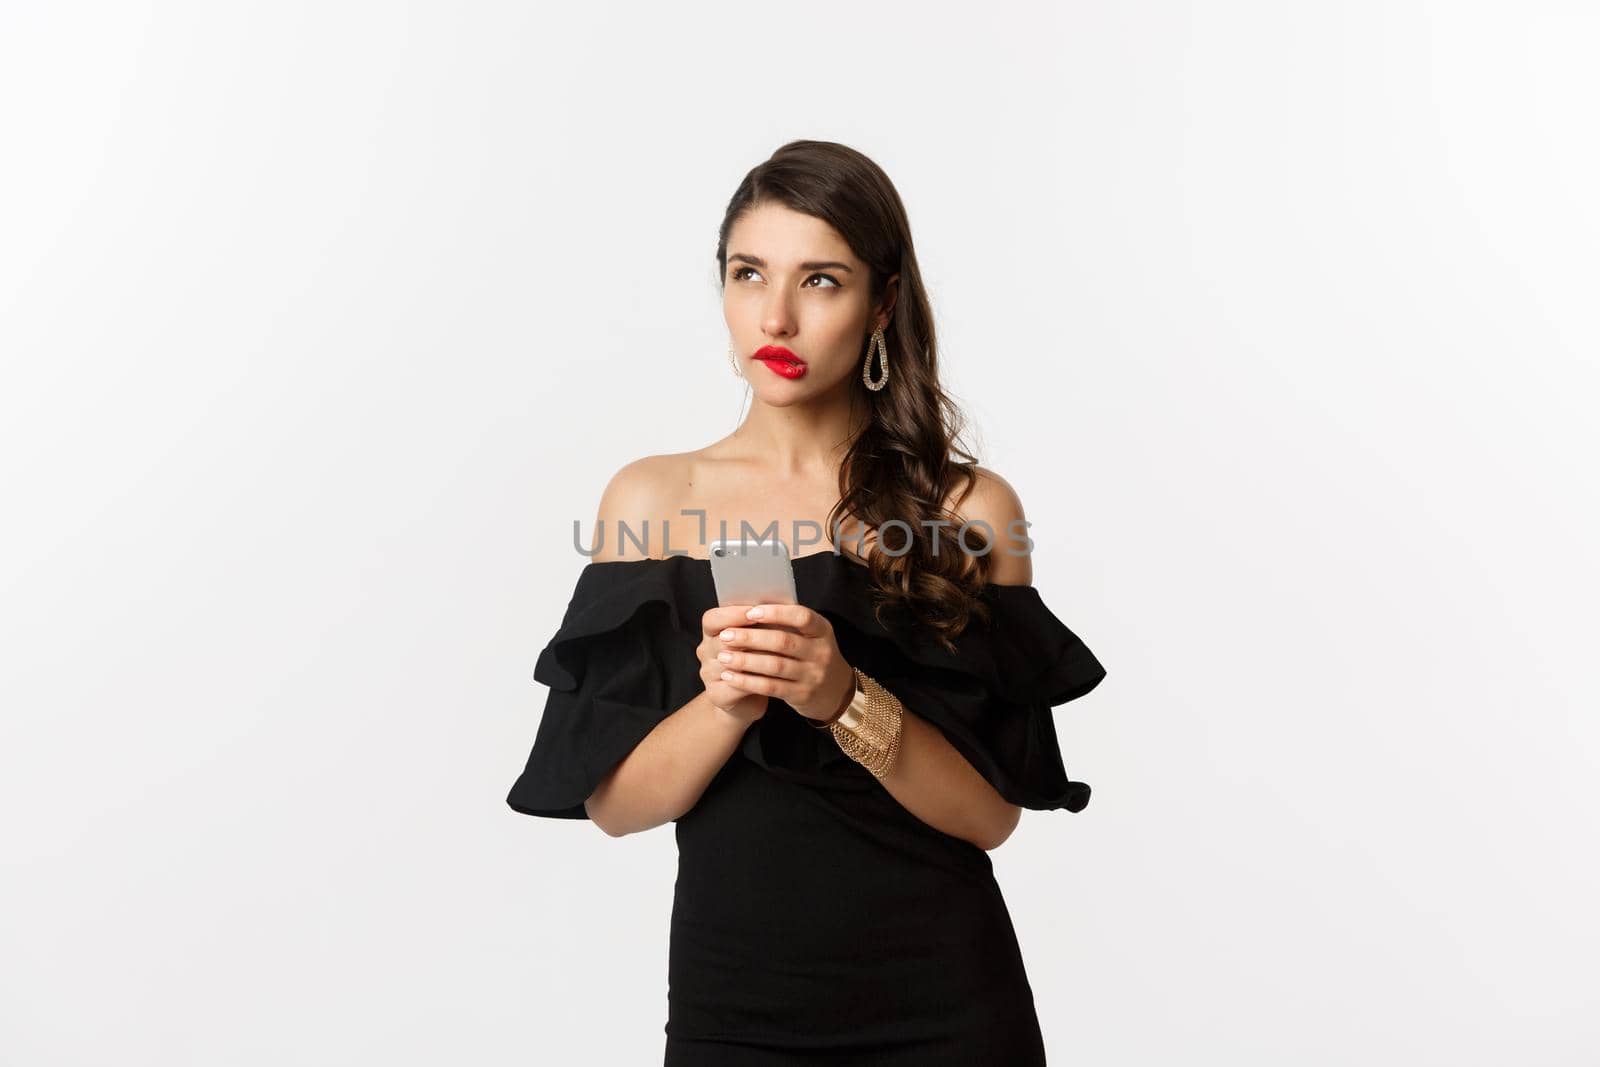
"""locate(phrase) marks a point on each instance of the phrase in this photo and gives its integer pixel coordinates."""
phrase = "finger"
(764, 684)
(711, 677)
(760, 639)
(803, 619)
(724, 616)
(760, 663)
(724, 695)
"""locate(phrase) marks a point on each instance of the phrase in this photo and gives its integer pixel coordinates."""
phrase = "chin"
(781, 392)
(783, 397)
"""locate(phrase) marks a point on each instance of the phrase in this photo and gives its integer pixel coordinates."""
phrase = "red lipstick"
(781, 361)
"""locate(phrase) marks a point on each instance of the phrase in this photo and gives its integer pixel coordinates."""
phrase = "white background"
(322, 322)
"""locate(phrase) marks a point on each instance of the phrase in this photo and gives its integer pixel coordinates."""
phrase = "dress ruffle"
(624, 658)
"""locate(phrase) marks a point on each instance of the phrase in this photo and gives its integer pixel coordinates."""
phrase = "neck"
(802, 439)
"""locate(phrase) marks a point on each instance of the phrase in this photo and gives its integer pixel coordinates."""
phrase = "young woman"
(837, 770)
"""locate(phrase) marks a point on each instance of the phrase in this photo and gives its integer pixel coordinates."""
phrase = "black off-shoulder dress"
(815, 919)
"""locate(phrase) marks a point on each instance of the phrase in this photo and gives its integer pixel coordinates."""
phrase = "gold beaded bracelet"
(869, 727)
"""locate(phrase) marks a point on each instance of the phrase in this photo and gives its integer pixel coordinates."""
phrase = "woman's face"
(793, 284)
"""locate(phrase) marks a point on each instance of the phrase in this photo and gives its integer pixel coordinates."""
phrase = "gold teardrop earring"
(733, 359)
(878, 343)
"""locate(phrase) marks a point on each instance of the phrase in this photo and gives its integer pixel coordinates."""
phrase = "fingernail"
(726, 657)
(726, 635)
(726, 675)
(753, 613)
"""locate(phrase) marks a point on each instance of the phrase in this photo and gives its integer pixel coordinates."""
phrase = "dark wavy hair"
(905, 462)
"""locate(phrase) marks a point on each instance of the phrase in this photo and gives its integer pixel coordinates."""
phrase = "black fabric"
(765, 965)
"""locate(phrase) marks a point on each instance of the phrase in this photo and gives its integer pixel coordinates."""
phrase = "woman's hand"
(739, 703)
(788, 652)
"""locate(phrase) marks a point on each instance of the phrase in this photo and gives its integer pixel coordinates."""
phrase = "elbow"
(1004, 826)
(599, 809)
(611, 827)
(610, 831)
(593, 811)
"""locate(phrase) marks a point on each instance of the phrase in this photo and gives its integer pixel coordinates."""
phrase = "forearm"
(934, 782)
(665, 774)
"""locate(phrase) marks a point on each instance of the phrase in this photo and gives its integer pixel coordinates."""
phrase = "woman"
(837, 769)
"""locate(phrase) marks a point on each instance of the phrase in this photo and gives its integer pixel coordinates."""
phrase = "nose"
(777, 318)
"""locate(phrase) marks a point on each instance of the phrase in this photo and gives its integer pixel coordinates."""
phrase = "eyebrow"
(815, 264)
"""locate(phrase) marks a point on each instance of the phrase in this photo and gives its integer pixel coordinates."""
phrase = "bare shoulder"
(995, 504)
(641, 492)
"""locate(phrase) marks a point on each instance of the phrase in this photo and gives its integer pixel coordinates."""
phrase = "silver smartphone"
(753, 572)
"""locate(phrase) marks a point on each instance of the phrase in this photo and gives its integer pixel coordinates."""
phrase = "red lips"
(781, 361)
(777, 352)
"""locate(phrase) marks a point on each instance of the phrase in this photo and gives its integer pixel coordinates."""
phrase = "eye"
(738, 274)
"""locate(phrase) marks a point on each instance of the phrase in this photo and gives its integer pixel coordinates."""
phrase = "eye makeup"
(737, 275)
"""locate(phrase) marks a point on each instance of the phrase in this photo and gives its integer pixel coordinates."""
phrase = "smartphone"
(752, 572)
